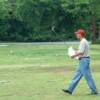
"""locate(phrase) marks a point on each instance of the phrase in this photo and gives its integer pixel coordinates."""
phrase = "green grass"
(40, 71)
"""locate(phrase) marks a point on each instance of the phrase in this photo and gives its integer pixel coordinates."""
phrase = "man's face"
(78, 36)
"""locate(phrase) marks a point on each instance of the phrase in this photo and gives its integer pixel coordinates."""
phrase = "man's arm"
(81, 50)
(77, 54)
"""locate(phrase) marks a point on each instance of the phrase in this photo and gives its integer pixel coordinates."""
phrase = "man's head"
(80, 33)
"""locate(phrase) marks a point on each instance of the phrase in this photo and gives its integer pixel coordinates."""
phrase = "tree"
(45, 20)
(94, 5)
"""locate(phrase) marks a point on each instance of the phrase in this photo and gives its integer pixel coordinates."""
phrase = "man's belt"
(83, 57)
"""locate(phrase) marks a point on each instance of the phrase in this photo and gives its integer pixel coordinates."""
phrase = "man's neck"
(81, 38)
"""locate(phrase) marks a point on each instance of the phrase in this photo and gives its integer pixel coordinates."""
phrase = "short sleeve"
(82, 47)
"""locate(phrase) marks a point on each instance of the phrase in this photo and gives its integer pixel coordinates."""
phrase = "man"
(83, 68)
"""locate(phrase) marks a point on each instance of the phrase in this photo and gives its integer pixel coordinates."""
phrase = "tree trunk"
(94, 28)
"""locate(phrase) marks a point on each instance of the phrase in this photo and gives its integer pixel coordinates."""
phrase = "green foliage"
(43, 20)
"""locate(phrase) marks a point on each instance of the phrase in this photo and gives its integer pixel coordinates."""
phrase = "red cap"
(81, 32)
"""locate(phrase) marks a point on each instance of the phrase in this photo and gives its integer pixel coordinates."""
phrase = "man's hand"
(73, 56)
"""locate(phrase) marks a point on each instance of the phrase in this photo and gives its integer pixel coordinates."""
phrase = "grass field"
(40, 71)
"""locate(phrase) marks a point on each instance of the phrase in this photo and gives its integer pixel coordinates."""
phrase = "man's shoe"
(66, 91)
(94, 93)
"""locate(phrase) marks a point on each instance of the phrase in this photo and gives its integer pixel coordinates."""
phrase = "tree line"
(48, 20)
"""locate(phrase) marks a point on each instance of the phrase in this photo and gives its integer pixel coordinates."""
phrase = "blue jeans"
(83, 70)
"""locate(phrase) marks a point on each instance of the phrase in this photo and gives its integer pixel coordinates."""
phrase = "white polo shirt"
(84, 48)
